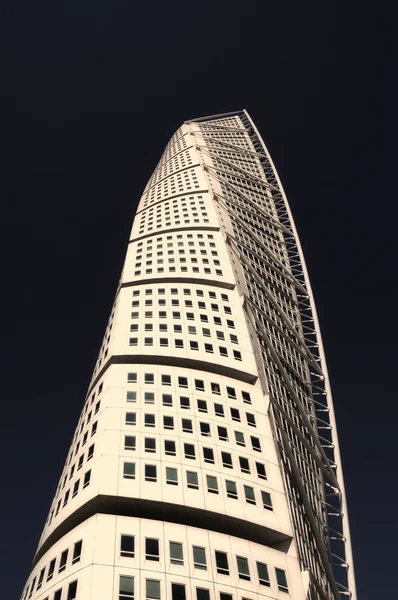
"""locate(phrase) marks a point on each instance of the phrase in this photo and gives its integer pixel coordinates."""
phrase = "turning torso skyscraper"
(205, 463)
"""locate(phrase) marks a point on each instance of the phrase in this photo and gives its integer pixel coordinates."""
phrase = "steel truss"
(279, 304)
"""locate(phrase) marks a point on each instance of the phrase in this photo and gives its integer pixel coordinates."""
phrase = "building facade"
(205, 463)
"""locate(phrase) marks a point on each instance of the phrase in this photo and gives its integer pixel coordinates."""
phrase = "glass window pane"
(152, 588)
(126, 586)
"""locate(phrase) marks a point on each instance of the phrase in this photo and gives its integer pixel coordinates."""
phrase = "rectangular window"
(281, 580)
(129, 442)
(208, 455)
(243, 568)
(167, 400)
(222, 563)
(222, 433)
(151, 549)
(170, 447)
(202, 594)
(232, 492)
(63, 561)
(171, 476)
(202, 406)
(129, 470)
(132, 378)
(152, 589)
(224, 596)
(226, 460)
(212, 485)
(239, 438)
(246, 397)
(178, 591)
(261, 471)
(131, 418)
(251, 420)
(219, 410)
(266, 498)
(77, 552)
(126, 587)
(127, 546)
(149, 420)
(58, 594)
(86, 479)
(150, 473)
(150, 444)
(166, 380)
(41, 577)
(184, 402)
(176, 554)
(168, 422)
(205, 429)
(263, 577)
(189, 451)
(131, 396)
(249, 494)
(235, 414)
(149, 378)
(192, 480)
(51, 570)
(199, 558)
(244, 464)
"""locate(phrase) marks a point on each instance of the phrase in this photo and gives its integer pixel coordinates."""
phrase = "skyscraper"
(205, 463)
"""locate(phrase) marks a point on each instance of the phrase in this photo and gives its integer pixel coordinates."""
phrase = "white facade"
(196, 471)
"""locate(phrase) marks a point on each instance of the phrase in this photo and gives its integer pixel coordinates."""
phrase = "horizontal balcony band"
(181, 279)
(163, 230)
(172, 513)
(174, 361)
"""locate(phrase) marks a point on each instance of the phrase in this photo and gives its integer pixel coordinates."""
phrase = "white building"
(205, 463)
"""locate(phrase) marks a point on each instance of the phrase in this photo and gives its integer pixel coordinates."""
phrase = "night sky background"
(91, 92)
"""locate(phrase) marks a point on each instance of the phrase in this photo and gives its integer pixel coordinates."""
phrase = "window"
(149, 378)
(193, 345)
(86, 479)
(152, 589)
(199, 557)
(63, 560)
(212, 485)
(224, 596)
(222, 433)
(51, 570)
(235, 414)
(129, 470)
(129, 442)
(209, 348)
(149, 420)
(249, 494)
(187, 425)
(150, 472)
(243, 568)
(205, 429)
(239, 438)
(166, 380)
(94, 428)
(75, 488)
(183, 382)
(178, 591)
(151, 549)
(251, 420)
(126, 587)
(208, 455)
(131, 418)
(263, 577)
(132, 378)
(244, 464)
(202, 406)
(222, 563)
(167, 400)
(171, 476)
(261, 470)
(192, 480)
(232, 492)
(77, 552)
(176, 555)
(226, 460)
(41, 577)
(170, 447)
(127, 546)
(184, 402)
(266, 498)
(189, 451)
(281, 580)
(150, 444)
(131, 396)
(237, 355)
(168, 422)
(199, 385)
(219, 410)
(202, 594)
(246, 397)
(57, 595)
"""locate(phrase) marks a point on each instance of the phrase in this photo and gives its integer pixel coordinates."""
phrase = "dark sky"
(91, 92)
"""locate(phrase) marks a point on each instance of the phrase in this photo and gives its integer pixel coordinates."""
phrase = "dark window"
(127, 546)
(86, 479)
(149, 420)
(205, 429)
(243, 568)
(255, 443)
(251, 420)
(151, 549)
(178, 591)
(244, 464)
(212, 485)
(192, 480)
(77, 552)
(62, 562)
(189, 450)
(150, 472)
(170, 447)
(152, 589)
(281, 580)
(202, 594)
(171, 476)
(263, 576)
(187, 425)
(222, 563)
(261, 470)
(199, 558)
(199, 385)
(129, 470)
(167, 400)
(235, 414)
(176, 555)
(222, 433)
(219, 410)
(232, 492)
(266, 498)
(202, 406)
(150, 445)
(51, 569)
(208, 455)
(57, 595)
(184, 402)
(126, 587)
(249, 494)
